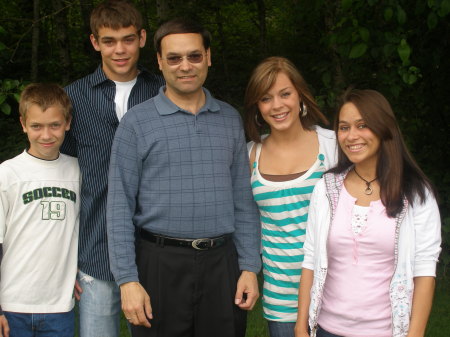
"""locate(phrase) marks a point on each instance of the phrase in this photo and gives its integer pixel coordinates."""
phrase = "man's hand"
(77, 290)
(136, 304)
(4, 327)
(247, 290)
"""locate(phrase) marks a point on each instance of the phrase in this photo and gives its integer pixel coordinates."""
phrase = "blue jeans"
(61, 324)
(99, 307)
(323, 333)
(281, 329)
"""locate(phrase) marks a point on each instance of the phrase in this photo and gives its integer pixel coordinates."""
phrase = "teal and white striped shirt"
(284, 211)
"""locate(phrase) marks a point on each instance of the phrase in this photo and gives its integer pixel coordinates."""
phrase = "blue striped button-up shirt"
(181, 175)
(90, 138)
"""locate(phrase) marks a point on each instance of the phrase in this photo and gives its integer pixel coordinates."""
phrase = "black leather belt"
(199, 244)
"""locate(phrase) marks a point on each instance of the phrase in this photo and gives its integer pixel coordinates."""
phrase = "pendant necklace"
(368, 190)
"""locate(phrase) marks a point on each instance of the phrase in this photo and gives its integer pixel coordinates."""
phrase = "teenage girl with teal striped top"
(285, 164)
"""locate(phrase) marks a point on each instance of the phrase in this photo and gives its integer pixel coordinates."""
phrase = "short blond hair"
(44, 95)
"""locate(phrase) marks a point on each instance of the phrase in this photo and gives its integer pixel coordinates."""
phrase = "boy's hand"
(77, 290)
(4, 327)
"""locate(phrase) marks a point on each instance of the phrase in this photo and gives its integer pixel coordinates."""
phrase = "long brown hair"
(398, 174)
(261, 80)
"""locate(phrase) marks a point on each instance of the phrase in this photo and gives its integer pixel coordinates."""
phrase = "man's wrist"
(126, 284)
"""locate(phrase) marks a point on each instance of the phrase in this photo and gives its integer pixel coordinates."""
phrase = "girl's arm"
(421, 307)
(306, 281)
(427, 226)
(304, 299)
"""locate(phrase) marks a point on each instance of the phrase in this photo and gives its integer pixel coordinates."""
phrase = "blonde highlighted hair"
(260, 82)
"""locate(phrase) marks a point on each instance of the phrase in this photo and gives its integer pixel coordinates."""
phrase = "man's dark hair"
(180, 26)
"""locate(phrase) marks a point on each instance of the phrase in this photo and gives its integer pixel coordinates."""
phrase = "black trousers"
(191, 291)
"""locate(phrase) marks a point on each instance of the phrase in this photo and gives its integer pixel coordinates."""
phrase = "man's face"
(45, 130)
(120, 51)
(186, 78)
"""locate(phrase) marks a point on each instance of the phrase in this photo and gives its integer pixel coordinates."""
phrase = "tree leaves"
(358, 50)
(9, 89)
(5, 108)
(404, 51)
(401, 15)
(388, 14)
(432, 20)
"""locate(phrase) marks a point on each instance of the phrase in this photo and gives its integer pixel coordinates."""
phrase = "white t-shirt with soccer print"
(39, 213)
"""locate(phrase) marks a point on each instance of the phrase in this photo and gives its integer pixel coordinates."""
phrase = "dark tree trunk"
(163, 9)
(35, 42)
(223, 44)
(86, 7)
(262, 27)
(62, 41)
(144, 13)
(331, 12)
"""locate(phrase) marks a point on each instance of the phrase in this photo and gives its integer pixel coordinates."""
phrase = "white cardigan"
(417, 248)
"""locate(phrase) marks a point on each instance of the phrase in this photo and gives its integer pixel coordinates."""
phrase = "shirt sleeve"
(247, 235)
(4, 205)
(427, 226)
(123, 187)
(312, 225)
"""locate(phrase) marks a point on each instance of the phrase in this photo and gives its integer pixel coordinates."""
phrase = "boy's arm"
(3, 205)
(1, 258)
(4, 328)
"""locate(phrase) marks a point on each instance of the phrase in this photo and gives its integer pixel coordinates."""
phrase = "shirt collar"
(166, 107)
(98, 76)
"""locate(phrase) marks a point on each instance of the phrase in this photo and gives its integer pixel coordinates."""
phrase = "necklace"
(368, 190)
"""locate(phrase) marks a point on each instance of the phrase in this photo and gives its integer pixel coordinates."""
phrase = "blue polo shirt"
(182, 175)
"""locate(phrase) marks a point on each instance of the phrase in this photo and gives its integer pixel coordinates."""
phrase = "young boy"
(39, 207)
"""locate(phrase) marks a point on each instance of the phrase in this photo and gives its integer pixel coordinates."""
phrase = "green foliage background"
(399, 47)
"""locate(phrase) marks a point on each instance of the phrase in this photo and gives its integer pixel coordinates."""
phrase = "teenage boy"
(99, 102)
(39, 207)
(179, 175)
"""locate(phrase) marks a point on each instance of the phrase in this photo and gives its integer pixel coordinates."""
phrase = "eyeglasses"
(192, 58)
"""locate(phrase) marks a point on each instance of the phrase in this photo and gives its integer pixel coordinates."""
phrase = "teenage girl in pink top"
(373, 233)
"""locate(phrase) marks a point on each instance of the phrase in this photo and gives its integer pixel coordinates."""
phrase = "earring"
(258, 123)
(303, 109)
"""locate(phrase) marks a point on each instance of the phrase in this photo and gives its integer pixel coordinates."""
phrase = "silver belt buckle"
(197, 242)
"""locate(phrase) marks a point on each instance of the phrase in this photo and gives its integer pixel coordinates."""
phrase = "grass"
(256, 324)
(438, 324)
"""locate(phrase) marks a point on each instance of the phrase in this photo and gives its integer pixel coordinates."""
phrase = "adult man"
(179, 173)
(99, 102)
